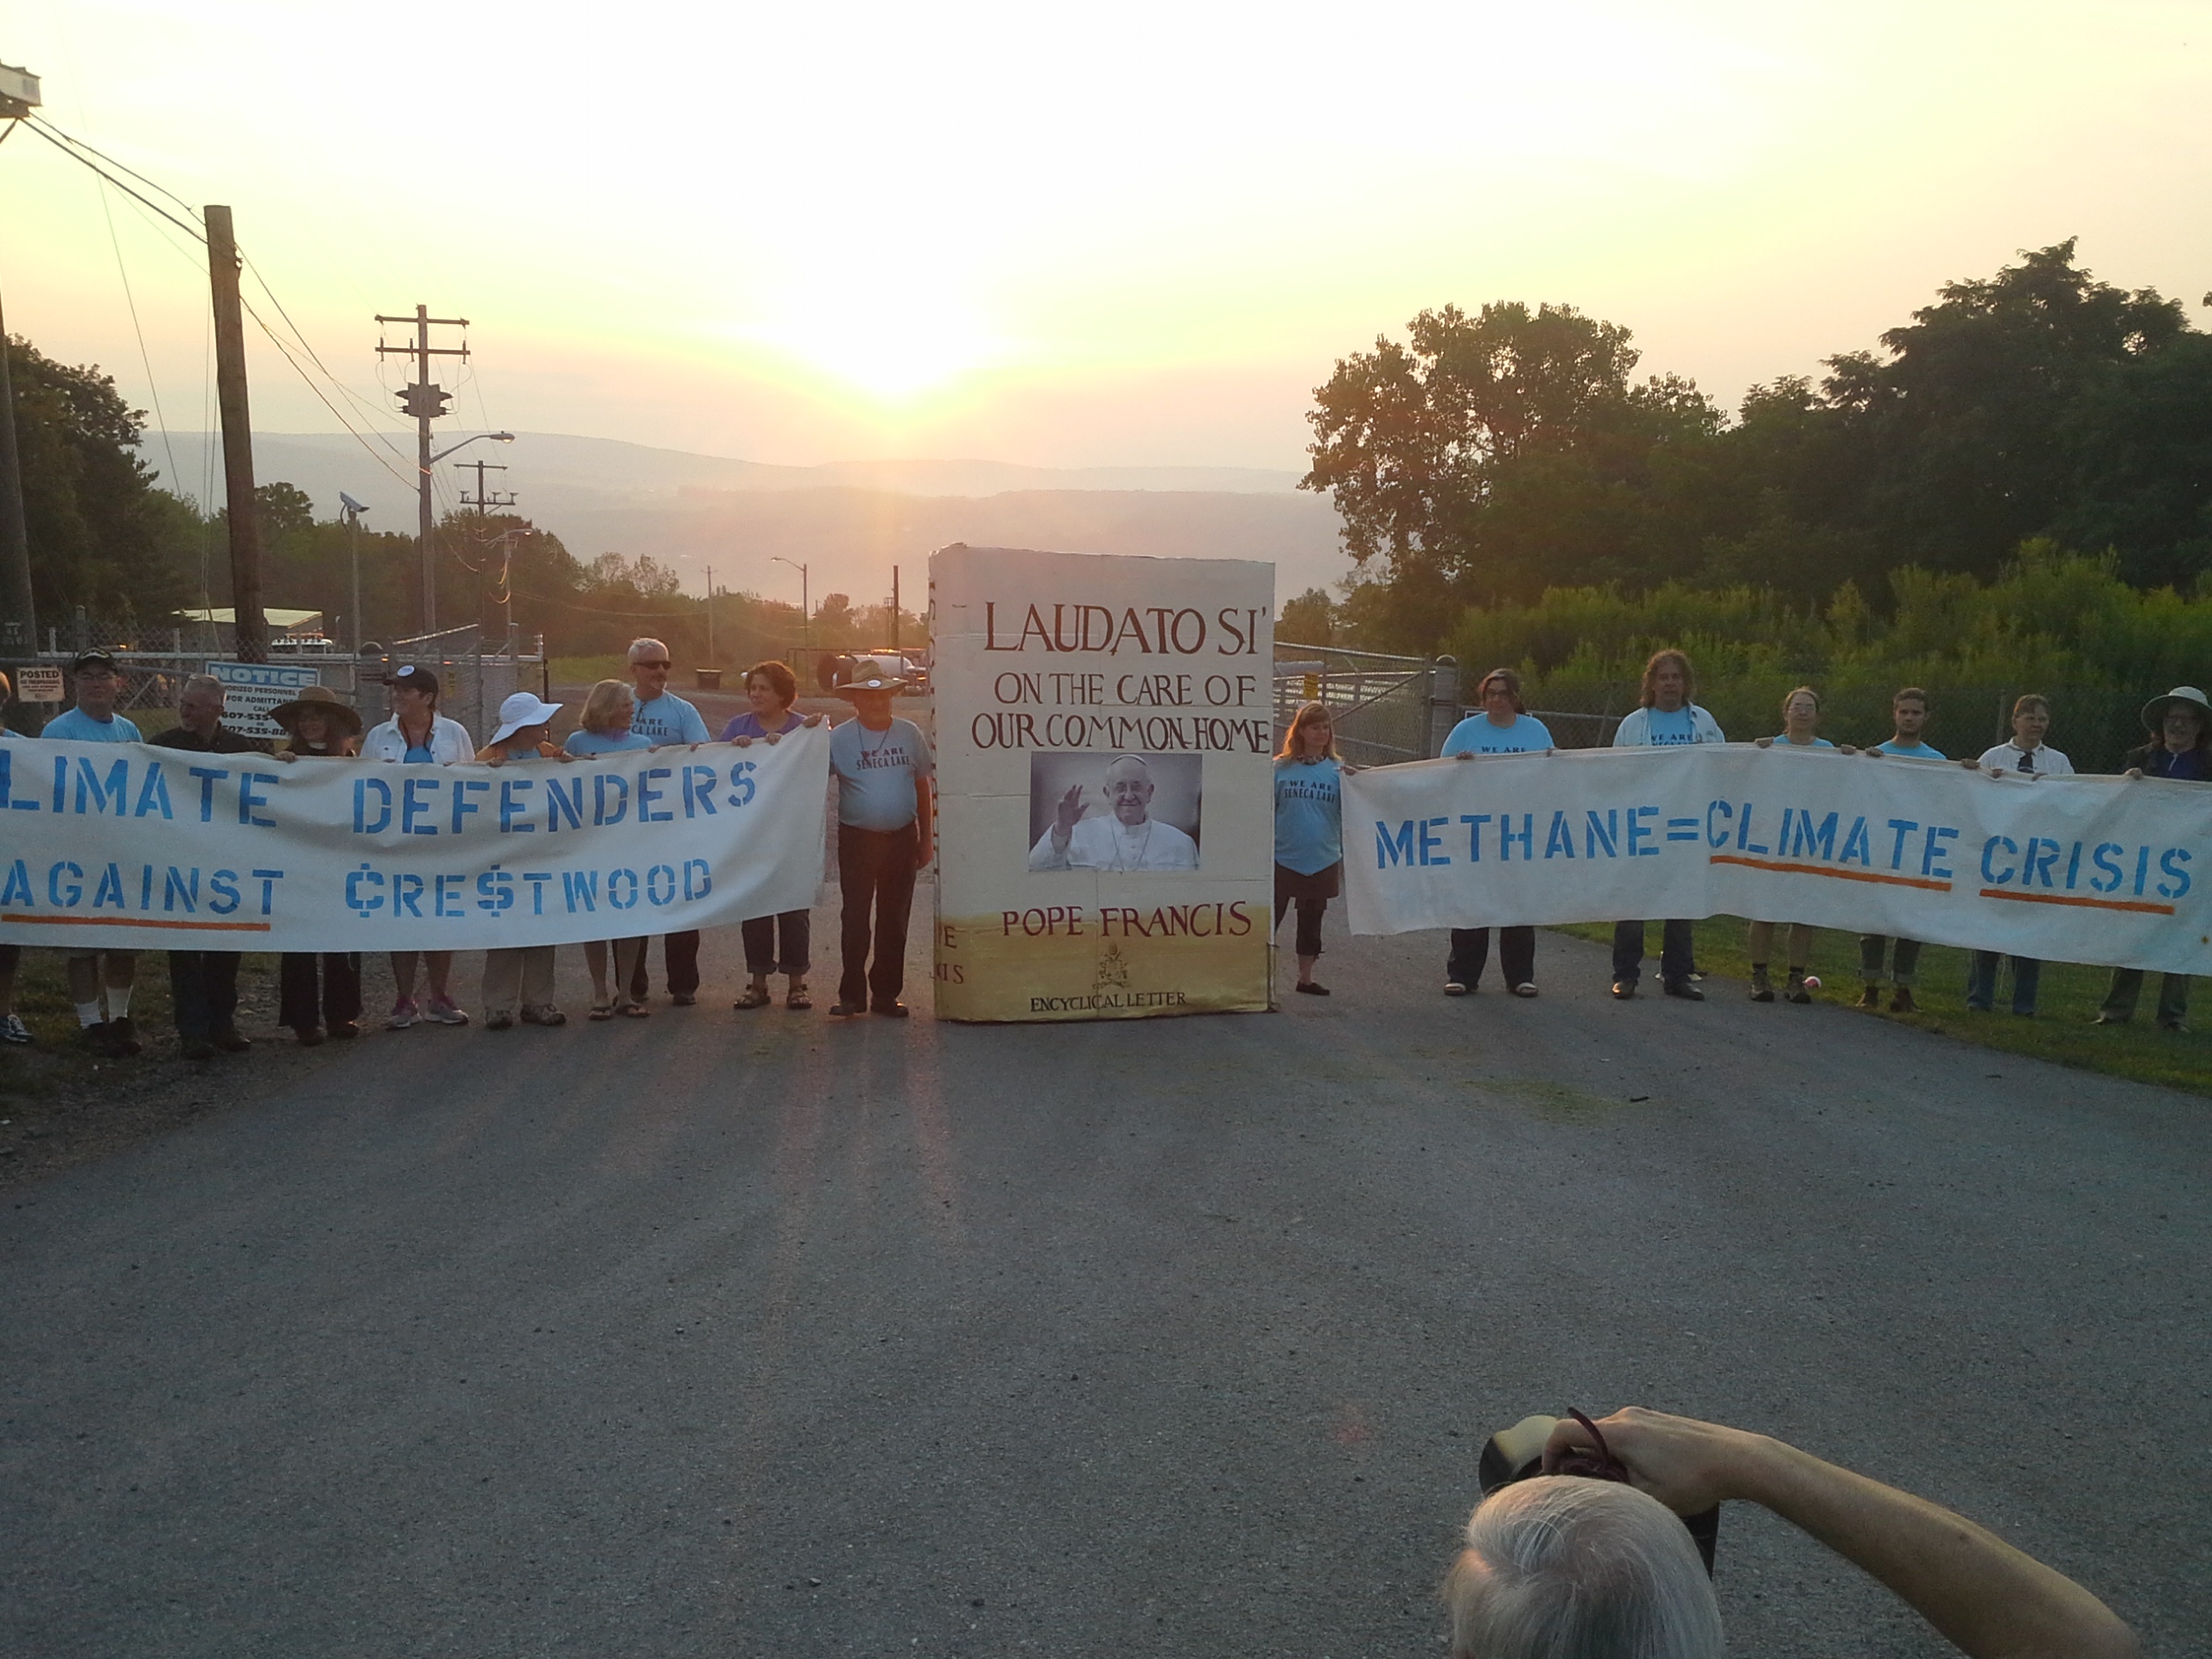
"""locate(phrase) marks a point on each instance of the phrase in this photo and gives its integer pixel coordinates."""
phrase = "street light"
(353, 511)
(429, 562)
(805, 609)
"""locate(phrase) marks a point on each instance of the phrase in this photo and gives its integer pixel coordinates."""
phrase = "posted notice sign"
(251, 690)
(1105, 732)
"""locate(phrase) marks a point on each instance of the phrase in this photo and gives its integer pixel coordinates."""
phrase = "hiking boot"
(543, 1014)
(122, 1038)
(96, 1038)
(1762, 986)
(498, 1019)
(1795, 990)
(1871, 997)
(1901, 1001)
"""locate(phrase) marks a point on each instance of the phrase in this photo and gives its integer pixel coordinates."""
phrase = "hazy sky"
(1064, 235)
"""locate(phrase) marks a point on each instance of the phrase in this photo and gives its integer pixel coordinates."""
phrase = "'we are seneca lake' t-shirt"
(669, 719)
(78, 726)
(1477, 736)
(1671, 727)
(1913, 751)
(586, 744)
(1309, 815)
(876, 772)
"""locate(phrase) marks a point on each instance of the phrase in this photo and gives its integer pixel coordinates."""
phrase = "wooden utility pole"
(250, 628)
(426, 401)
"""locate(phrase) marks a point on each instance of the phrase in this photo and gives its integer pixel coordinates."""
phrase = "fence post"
(1443, 703)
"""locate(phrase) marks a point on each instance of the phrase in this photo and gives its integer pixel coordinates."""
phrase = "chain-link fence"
(1385, 708)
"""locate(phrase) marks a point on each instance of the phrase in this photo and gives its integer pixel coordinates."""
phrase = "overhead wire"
(145, 360)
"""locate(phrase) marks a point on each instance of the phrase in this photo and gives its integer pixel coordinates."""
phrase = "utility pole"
(894, 608)
(249, 628)
(710, 616)
(353, 511)
(18, 620)
(483, 500)
(426, 402)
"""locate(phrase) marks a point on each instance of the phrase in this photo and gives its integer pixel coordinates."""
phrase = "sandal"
(796, 1000)
(602, 1011)
(633, 1010)
(754, 997)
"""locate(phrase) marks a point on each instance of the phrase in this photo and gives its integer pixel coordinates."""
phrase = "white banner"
(2072, 869)
(128, 846)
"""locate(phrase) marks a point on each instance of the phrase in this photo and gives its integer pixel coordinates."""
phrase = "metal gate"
(1385, 708)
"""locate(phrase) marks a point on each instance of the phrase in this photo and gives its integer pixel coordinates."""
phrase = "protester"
(1309, 832)
(1572, 1564)
(2180, 722)
(2026, 754)
(1129, 838)
(606, 726)
(1504, 726)
(204, 984)
(1908, 719)
(12, 1028)
(521, 975)
(318, 995)
(417, 734)
(1666, 718)
(1801, 728)
(885, 827)
(662, 718)
(100, 981)
(771, 687)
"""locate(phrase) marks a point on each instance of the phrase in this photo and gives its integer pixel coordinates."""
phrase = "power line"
(130, 300)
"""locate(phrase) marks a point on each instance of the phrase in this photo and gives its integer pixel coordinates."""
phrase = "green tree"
(1309, 620)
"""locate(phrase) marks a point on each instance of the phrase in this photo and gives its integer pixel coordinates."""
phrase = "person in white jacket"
(417, 734)
(1666, 719)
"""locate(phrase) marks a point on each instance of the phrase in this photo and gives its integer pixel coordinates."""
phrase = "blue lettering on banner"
(1934, 850)
(53, 889)
(176, 889)
(18, 890)
(1682, 829)
(2110, 876)
(1474, 821)
(647, 795)
(8, 783)
(407, 892)
(622, 889)
(698, 880)
(223, 891)
(154, 792)
(269, 879)
(248, 799)
(1507, 836)
(511, 809)
(362, 789)
(448, 887)
(1856, 845)
(1432, 844)
(1988, 855)
(1560, 838)
(462, 806)
(1393, 849)
(660, 884)
(2142, 868)
(1605, 833)
(496, 890)
(1809, 840)
(1636, 832)
(117, 787)
(1903, 827)
(110, 883)
(2176, 885)
(581, 889)
(564, 802)
(413, 807)
(1717, 840)
(537, 879)
(600, 817)
(698, 791)
(1743, 842)
(364, 902)
(208, 777)
(741, 786)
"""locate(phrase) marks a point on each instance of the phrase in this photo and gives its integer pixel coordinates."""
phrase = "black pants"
(875, 870)
(203, 990)
(761, 954)
(1676, 939)
(1905, 961)
(1516, 955)
(679, 961)
(1311, 910)
(307, 998)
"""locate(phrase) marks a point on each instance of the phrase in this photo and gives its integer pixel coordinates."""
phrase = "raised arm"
(1988, 1599)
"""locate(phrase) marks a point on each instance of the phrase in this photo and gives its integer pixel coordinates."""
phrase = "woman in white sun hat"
(2180, 750)
(521, 976)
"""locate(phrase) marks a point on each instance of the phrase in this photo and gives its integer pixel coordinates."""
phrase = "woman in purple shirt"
(771, 687)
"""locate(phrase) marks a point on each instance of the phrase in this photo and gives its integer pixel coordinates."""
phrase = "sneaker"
(2103, 1019)
(1762, 986)
(1454, 988)
(683, 999)
(1624, 990)
(1901, 1001)
(1684, 989)
(498, 1019)
(444, 1011)
(898, 1010)
(543, 1014)
(1871, 996)
(1525, 990)
(13, 1030)
(403, 1014)
(122, 1038)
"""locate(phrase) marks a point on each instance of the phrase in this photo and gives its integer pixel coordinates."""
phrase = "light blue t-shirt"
(1672, 727)
(587, 744)
(1781, 741)
(1477, 736)
(876, 773)
(1917, 752)
(75, 726)
(1309, 815)
(669, 719)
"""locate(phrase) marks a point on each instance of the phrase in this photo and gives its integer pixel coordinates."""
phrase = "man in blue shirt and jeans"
(883, 767)
(665, 718)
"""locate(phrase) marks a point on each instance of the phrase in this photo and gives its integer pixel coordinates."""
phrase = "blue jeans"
(1981, 980)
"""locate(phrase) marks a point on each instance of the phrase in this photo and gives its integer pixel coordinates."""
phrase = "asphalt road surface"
(748, 1334)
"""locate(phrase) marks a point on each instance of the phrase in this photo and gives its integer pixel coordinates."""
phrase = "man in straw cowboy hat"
(885, 824)
(2180, 749)
(204, 984)
(319, 997)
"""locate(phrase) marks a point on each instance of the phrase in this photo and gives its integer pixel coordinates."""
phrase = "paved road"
(745, 1335)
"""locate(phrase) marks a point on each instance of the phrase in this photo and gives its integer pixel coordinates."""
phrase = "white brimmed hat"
(869, 674)
(524, 708)
(2154, 712)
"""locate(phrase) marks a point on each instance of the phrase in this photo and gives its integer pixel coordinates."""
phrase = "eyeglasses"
(663, 663)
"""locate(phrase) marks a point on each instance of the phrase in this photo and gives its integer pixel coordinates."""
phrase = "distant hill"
(849, 522)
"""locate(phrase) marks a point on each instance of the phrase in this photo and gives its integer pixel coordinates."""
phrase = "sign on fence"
(251, 690)
(1106, 829)
(38, 682)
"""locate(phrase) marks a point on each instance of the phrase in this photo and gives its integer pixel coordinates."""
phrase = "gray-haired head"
(202, 683)
(1562, 1567)
(199, 704)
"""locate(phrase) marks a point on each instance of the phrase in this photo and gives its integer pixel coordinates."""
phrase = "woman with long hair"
(319, 997)
(1666, 717)
(1309, 832)
(1504, 726)
(783, 942)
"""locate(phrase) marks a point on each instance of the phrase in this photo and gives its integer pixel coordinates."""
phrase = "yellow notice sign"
(1106, 830)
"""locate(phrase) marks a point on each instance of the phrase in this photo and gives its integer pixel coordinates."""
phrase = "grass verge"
(2062, 1031)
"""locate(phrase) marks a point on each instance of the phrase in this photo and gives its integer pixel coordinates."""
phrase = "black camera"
(1517, 1452)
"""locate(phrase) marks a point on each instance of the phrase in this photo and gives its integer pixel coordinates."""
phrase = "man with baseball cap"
(883, 766)
(658, 714)
(204, 984)
(417, 734)
(100, 981)
(2180, 749)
